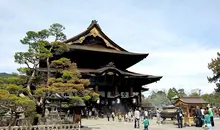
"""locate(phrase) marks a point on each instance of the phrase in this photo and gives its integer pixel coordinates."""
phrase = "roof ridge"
(93, 22)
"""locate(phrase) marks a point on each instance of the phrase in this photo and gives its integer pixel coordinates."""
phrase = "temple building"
(105, 63)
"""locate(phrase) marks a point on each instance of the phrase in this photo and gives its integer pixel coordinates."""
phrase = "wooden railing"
(44, 127)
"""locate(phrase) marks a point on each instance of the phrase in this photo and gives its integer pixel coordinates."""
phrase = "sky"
(181, 36)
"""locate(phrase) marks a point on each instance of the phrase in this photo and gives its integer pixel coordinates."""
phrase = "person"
(198, 114)
(202, 110)
(158, 117)
(93, 111)
(113, 116)
(136, 118)
(119, 116)
(211, 115)
(180, 117)
(150, 114)
(96, 114)
(90, 113)
(145, 114)
(126, 117)
(207, 120)
(142, 115)
(108, 116)
(146, 123)
(129, 116)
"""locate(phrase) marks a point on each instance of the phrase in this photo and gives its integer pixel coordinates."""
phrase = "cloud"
(183, 68)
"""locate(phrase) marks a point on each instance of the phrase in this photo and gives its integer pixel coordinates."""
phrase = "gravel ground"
(103, 124)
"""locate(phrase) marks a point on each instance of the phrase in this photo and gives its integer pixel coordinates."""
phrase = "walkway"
(103, 124)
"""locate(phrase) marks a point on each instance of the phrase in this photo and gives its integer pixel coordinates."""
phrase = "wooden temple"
(105, 63)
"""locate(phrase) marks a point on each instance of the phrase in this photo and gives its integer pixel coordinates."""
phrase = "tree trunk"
(43, 107)
(30, 80)
(12, 120)
(48, 72)
(48, 66)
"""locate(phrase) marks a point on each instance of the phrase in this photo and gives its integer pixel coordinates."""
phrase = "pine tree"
(67, 79)
(214, 66)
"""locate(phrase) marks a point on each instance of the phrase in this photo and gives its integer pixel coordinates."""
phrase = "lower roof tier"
(110, 70)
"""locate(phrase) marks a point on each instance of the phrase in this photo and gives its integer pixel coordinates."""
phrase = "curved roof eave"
(79, 47)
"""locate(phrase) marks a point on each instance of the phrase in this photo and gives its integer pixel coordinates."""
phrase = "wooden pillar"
(106, 94)
(96, 89)
(131, 91)
(116, 90)
(188, 116)
(140, 96)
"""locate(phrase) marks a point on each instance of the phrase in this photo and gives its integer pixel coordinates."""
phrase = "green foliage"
(42, 45)
(5, 75)
(159, 99)
(214, 66)
(195, 93)
(76, 99)
(14, 89)
(213, 98)
(10, 99)
(36, 42)
(70, 81)
(65, 105)
(86, 97)
(56, 30)
(181, 92)
(12, 102)
(19, 80)
(171, 93)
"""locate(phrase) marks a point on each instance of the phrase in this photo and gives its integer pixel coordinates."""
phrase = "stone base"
(168, 122)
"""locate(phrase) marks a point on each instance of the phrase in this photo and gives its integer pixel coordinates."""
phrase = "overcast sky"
(181, 36)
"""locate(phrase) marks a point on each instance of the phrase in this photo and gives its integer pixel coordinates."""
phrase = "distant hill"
(5, 74)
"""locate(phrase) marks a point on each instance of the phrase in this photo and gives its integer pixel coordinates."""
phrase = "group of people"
(141, 115)
(127, 116)
(136, 116)
(204, 117)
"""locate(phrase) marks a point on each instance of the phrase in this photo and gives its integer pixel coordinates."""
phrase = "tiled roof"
(192, 100)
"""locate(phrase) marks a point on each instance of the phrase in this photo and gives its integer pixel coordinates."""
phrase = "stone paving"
(103, 124)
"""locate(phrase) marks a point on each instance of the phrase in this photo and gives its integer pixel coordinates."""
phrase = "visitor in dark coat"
(180, 117)
(199, 116)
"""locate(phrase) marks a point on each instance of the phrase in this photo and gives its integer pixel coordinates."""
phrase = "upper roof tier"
(93, 36)
(94, 40)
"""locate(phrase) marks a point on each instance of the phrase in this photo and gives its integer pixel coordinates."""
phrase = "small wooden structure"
(188, 105)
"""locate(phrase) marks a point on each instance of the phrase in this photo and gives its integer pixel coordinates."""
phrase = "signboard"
(124, 94)
(110, 95)
(102, 93)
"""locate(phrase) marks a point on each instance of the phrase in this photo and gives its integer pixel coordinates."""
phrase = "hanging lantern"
(106, 102)
(98, 101)
(134, 100)
(118, 100)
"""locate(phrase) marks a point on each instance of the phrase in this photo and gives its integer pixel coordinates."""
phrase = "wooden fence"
(45, 127)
